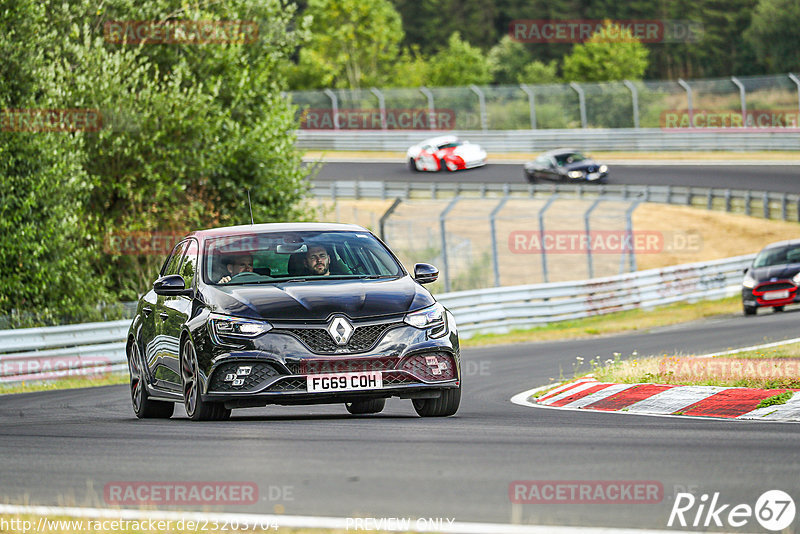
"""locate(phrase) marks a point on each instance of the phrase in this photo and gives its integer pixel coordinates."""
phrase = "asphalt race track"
(63, 447)
(779, 178)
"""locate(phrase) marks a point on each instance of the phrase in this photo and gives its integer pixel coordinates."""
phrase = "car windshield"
(274, 257)
(450, 145)
(566, 159)
(778, 256)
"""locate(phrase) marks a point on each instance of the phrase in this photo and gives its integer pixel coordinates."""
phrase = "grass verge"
(71, 382)
(612, 323)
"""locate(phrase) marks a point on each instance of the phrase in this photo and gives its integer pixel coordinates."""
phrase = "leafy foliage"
(612, 53)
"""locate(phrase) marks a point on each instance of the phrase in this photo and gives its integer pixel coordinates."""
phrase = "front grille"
(430, 366)
(394, 378)
(340, 365)
(289, 384)
(241, 376)
(320, 341)
(774, 286)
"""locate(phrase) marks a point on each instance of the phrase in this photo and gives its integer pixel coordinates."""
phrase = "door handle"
(147, 310)
(163, 316)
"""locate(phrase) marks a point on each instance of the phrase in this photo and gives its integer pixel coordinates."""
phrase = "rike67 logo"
(774, 510)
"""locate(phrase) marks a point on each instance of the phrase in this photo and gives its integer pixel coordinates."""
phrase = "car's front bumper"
(755, 297)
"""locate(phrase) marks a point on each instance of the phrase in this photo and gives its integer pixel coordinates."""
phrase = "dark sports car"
(772, 280)
(300, 313)
(565, 165)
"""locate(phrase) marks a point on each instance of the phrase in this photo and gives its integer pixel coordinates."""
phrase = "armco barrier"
(590, 139)
(31, 353)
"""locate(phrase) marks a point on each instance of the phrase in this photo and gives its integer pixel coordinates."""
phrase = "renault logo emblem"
(340, 330)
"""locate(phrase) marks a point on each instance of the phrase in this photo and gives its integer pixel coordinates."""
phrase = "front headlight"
(432, 317)
(749, 282)
(227, 327)
(796, 279)
(603, 168)
(575, 174)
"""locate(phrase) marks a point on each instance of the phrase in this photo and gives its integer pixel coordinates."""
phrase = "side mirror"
(425, 273)
(745, 270)
(171, 285)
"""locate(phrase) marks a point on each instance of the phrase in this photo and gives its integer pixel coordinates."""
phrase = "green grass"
(612, 323)
(776, 399)
(64, 383)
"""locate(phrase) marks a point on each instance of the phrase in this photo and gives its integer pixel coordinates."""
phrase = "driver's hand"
(224, 279)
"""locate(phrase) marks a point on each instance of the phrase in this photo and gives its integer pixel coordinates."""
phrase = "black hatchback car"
(773, 278)
(297, 313)
(565, 165)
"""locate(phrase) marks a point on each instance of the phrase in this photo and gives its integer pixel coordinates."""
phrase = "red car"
(445, 153)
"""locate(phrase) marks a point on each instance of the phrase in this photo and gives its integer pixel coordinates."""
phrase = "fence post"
(431, 108)
(482, 104)
(742, 98)
(765, 202)
(797, 83)
(629, 235)
(386, 215)
(727, 200)
(587, 226)
(334, 106)
(531, 103)
(581, 102)
(747, 198)
(381, 106)
(634, 101)
(442, 219)
(710, 200)
(688, 89)
(492, 226)
(784, 202)
(547, 204)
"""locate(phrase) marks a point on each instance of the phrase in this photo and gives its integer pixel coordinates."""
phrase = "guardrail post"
(547, 204)
(531, 190)
(797, 83)
(727, 200)
(742, 98)
(688, 89)
(383, 190)
(581, 102)
(689, 195)
(647, 193)
(669, 194)
(431, 108)
(587, 226)
(357, 190)
(747, 198)
(434, 188)
(442, 219)
(784, 202)
(386, 215)
(482, 104)
(634, 101)
(334, 107)
(798, 209)
(765, 202)
(333, 191)
(492, 227)
(531, 103)
(381, 106)
(710, 199)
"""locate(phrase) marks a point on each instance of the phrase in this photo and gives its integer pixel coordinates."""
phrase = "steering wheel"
(243, 274)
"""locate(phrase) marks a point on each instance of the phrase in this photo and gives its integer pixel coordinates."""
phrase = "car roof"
(779, 244)
(245, 229)
(560, 151)
(440, 140)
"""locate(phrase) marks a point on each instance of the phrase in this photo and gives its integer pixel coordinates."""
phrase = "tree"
(356, 42)
(537, 72)
(459, 64)
(612, 53)
(507, 59)
(773, 33)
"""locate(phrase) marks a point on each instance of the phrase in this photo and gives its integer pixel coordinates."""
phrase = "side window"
(189, 266)
(174, 261)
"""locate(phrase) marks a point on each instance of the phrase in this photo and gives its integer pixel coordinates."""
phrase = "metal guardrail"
(59, 351)
(500, 310)
(600, 139)
(766, 204)
(54, 352)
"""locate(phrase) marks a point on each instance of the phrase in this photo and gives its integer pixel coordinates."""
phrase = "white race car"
(446, 152)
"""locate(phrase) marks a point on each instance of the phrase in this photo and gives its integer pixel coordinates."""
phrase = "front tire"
(530, 177)
(196, 408)
(143, 407)
(365, 406)
(777, 309)
(412, 165)
(443, 406)
(750, 310)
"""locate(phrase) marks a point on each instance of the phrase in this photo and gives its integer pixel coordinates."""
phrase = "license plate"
(344, 381)
(775, 295)
(593, 175)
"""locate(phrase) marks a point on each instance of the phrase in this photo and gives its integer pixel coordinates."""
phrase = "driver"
(318, 261)
(241, 263)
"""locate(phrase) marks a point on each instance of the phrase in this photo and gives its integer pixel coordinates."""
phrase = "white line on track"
(297, 521)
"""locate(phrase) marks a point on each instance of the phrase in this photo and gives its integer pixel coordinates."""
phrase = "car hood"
(588, 165)
(780, 272)
(317, 300)
(469, 152)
